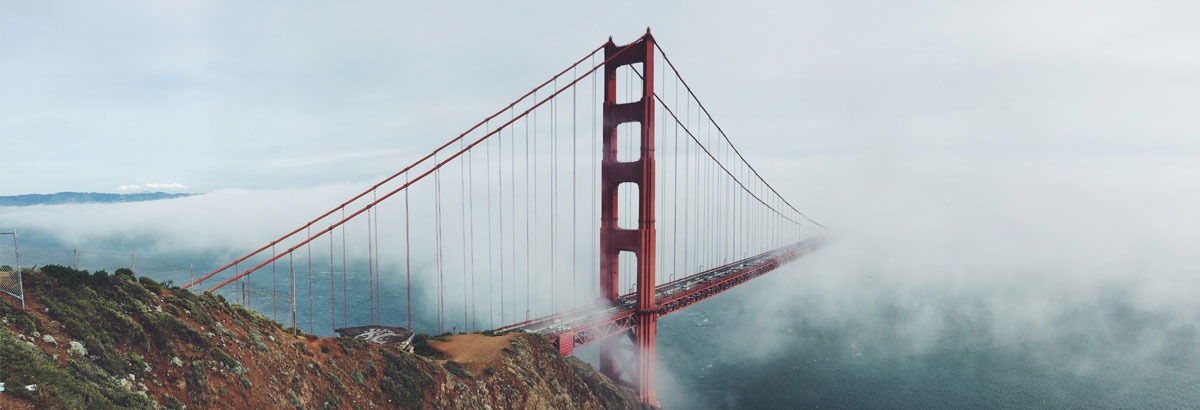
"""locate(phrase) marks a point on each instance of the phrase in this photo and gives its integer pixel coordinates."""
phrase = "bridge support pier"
(629, 361)
(647, 328)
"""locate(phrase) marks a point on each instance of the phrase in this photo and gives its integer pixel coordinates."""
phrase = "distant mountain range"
(63, 198)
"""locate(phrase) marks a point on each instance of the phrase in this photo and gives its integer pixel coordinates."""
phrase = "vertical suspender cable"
(528, 218)
(706, 169)
(370, 272)
(437, 185)
(536, 200)
(378, 286)
(595, 217)
(407, 258)
(574, 199)
(731, 196)
(553, 192)
(467, 220)
(675, 196)
(292, 274)
(487, 149)
(663, 188)
(308, 250)
(735, 196)
(274, 288)
(345, 291)
(512, 209)
(727, 197)
(690, 226)
(500, 216)
(332, 289)
(722, 250)
(710, 168)
(664, 240)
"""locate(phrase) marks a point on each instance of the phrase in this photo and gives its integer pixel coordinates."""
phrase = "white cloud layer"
(152, 186)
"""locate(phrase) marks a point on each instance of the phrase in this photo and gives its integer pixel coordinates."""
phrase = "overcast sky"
(201, 96)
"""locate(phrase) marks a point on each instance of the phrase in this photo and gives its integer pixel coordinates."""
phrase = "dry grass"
(474, 351)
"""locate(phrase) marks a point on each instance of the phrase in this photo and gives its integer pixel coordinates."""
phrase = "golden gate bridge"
(594, 204)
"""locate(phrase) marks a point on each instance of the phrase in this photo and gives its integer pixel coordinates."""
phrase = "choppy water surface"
(1114, 358)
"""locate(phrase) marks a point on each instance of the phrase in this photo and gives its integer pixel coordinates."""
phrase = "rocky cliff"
(113, 341)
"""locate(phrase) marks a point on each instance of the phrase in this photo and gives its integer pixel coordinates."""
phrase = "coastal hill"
(94, 340)
(64, 198)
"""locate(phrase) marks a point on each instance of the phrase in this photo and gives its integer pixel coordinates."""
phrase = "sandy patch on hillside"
(474, 351)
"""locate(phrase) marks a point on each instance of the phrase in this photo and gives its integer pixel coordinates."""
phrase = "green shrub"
(336, 382)
(456, 369)
(197, 381)
(79, 385)
(94, 309)
(137, 362)
(349, 344)
(223, 357)
(403, 381)
(65, 276)
(420, 343)
(254, 317)
(150, 284)
(173, 403)
(21, 319)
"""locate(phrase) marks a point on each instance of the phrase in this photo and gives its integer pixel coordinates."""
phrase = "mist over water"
(984, 282)
(949, 282)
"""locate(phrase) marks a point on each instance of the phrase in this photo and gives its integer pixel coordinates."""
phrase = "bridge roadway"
(600, 320)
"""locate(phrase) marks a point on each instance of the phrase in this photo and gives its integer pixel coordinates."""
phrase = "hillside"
(63, 198)
(112, 341)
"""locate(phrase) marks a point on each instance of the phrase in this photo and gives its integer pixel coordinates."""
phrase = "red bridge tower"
(628, 358)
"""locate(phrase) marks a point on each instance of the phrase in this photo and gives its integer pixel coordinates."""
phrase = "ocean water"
(713, 356)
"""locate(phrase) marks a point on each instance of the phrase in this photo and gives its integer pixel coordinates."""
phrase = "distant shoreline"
(68, 198)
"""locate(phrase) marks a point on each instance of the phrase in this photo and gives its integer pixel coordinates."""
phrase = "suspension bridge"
(596, 203)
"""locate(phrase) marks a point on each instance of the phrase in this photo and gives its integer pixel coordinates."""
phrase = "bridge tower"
(628, 358)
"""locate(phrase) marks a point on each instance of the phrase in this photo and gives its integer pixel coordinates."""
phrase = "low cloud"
(1020, 250)
(152, 186)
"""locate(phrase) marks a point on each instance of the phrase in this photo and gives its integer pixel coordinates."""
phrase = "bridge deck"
(601, 320)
